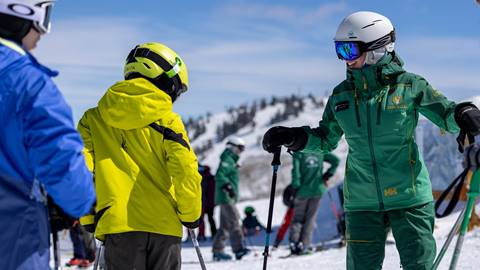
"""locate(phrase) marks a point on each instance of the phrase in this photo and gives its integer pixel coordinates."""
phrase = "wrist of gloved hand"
(191, 225)
(467, 117)
(294, 139)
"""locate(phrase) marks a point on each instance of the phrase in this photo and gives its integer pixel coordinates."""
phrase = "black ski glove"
(229, 190)
(294, 139)
(326, 176)
(191, 225)
(467, 117)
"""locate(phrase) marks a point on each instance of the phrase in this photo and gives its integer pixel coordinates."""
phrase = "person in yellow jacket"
(146, 173)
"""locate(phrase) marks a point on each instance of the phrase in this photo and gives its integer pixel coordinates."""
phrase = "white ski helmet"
(36, 11)
(237, 142)
(363, 31)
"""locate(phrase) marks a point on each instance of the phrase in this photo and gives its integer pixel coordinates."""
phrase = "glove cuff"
(299, 139)
(191, 225)
(467, 117)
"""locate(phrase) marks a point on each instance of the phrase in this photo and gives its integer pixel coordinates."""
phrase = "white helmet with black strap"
(19, 16)
(236, 143)
(364, 31)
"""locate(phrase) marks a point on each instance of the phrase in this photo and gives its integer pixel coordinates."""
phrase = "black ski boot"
(242, 252)
(296, 248)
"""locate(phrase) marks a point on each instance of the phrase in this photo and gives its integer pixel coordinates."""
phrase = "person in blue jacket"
(40, 149)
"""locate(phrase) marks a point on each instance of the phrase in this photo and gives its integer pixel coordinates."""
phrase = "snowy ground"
(334, 259)
(331, 259)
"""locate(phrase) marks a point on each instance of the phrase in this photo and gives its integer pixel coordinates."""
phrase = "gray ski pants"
(142, 251)
(303, 222)
(229, 226)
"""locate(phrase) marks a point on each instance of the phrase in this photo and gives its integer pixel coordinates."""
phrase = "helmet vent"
(146, 65)
(372, 24)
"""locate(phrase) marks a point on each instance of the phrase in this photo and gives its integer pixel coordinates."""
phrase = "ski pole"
(56, 251)
(333, 206)
(97, 258)
(471, 195)
(450, 236)
(275, 165)
(197, 248)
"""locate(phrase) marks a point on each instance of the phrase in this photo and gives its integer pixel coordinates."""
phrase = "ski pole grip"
(276, 157)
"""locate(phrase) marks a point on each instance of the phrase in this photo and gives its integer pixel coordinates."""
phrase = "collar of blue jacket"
(20, 51)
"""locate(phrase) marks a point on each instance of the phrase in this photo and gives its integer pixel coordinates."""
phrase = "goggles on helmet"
(240, 148)
(348, 50)
(37, 11)
(43, 27)
(352, 50)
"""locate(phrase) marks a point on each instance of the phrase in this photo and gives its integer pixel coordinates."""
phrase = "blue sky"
(237, 51)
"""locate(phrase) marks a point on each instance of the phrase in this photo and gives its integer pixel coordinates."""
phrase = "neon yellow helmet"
(160, 65)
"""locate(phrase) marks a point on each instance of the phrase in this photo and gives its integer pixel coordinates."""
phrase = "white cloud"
(91, 42)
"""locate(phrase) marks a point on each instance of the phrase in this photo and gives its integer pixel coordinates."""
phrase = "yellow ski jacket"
(144, 180)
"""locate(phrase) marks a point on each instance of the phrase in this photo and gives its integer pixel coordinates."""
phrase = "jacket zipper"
(372, 154)
(380, 103)
(379, 110)
(412, 164)
(357, 113)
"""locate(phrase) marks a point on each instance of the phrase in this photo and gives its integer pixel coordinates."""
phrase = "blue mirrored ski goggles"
(348, 50)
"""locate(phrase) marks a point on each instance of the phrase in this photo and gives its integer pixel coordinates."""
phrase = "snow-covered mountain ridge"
(251, 121)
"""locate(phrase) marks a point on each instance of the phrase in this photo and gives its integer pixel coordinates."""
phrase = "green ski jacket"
(227, 172)
(377, 108)
(307, 172)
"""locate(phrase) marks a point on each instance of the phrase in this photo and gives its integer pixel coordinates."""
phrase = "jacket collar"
(372, 78)
(230, 153)
(21, 52)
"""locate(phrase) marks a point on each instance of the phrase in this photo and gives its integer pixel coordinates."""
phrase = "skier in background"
(40, 150)
(146, 173)
(341, 226)
(250, 224)
(80, 250)
(208, 202)
(226, 195)
(309, 182)
(377, 108)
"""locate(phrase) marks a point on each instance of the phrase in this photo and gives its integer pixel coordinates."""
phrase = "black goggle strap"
(387, 39)
(171, 72)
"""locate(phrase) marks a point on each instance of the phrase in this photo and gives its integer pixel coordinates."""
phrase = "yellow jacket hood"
(133, 104)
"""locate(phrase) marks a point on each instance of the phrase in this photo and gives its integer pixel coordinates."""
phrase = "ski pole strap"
(457, 184)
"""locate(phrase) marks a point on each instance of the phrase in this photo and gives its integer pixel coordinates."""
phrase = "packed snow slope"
(331, 259)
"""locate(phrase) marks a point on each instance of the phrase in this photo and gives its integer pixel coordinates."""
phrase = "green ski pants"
(412, 229)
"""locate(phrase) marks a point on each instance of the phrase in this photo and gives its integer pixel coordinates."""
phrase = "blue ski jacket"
(40, 150)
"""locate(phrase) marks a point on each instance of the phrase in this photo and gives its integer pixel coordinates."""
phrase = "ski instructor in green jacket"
(226, 196)
(377, 108)
(310, 183)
